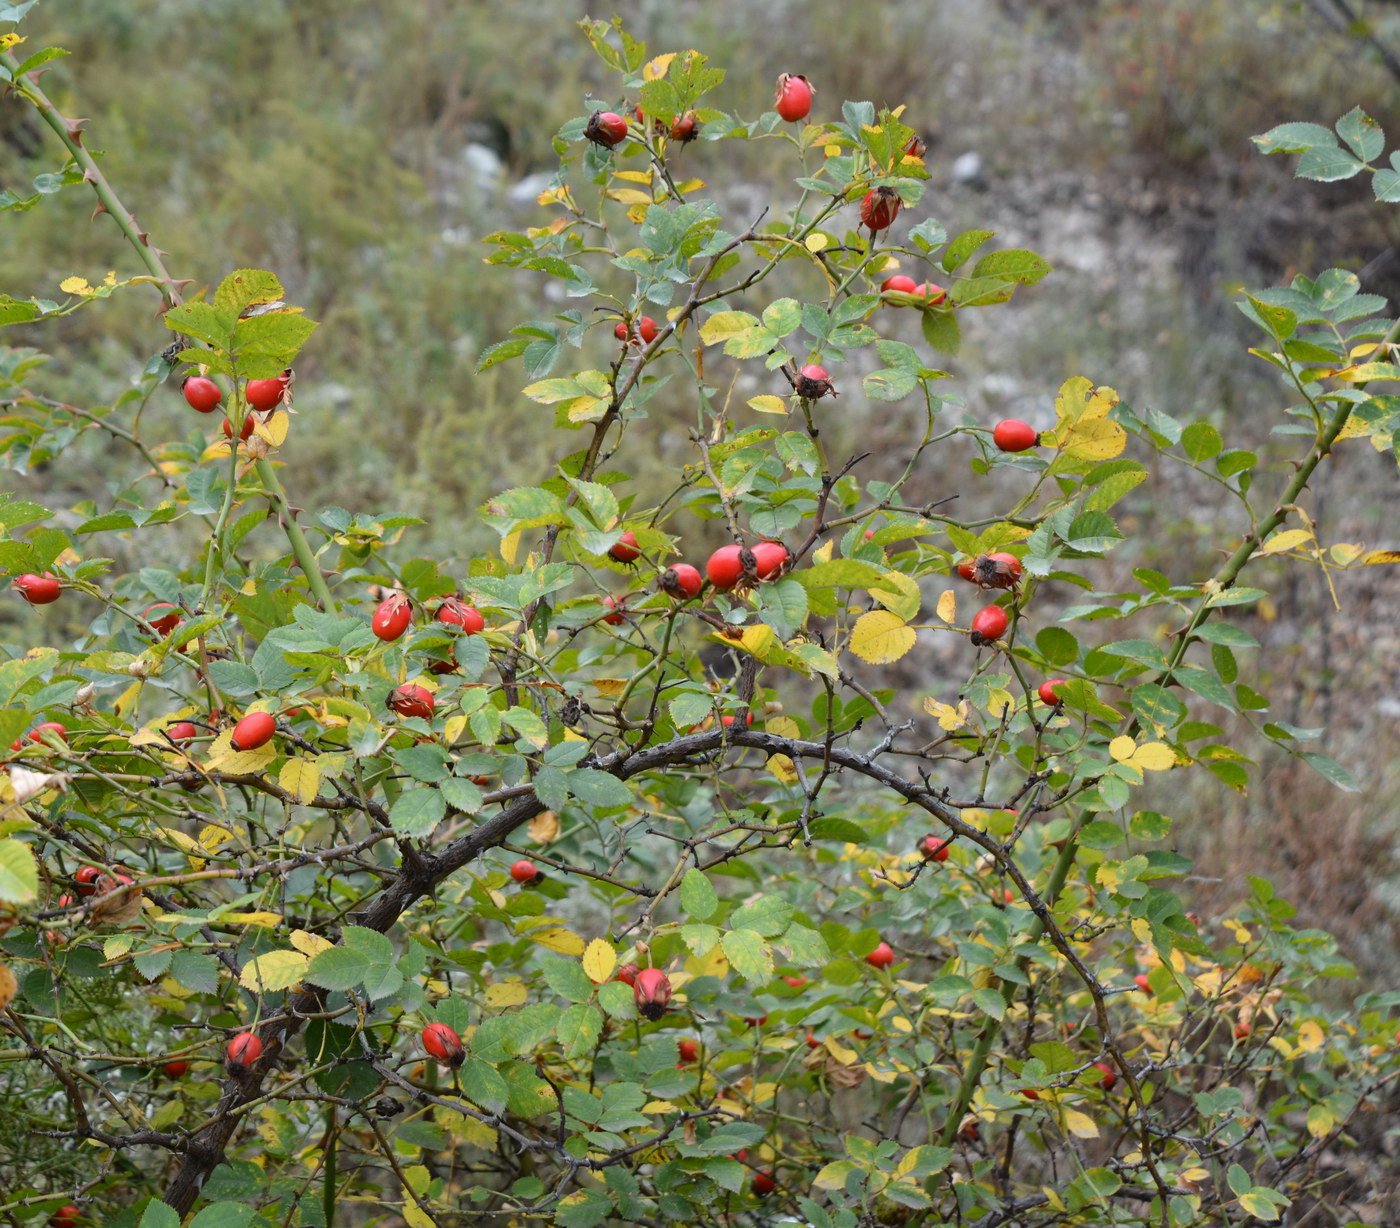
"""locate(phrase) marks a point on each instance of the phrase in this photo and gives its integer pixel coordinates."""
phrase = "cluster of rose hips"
(262, 395)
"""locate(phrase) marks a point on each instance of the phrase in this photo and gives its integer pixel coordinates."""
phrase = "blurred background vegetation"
(362, 150)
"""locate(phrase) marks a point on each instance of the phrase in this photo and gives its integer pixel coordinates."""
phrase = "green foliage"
(728, 786)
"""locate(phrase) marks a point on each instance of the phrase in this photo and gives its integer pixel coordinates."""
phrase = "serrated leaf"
(881, 636)
(698, 897)
(748, 955)
(273, 971)
(599, 960)
(301, 778)
(19, 873)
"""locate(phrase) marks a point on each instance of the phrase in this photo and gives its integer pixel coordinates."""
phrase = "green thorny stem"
(70, 132)
(1223, 579)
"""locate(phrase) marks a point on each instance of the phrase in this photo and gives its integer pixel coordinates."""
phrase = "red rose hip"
(254, 730)
(933, 848)
(652, 993)
(37, 590)
(1013, 435)
(243, 1050)
(411, 700)
(793, 100)
(1047, 692)
(763, 1183)
(627, 974)
(688, 1050)
(725, 568)
(606, 128)
(176, 1068)
(769, 559)
(162, 618)
(265, 394)
(989, 624)
(392, 617)
(813, 383)
(202, 394)
(457, 613)
(680, 581)
(625, 549)
(879, 208)
(526, 873)
(881, 957)
(443, 1043)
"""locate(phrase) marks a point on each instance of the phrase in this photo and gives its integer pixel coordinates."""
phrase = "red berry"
(794, 98)
(1241, 1031)
(625, 549)
(411, 700)
(643, 330)
(652, 992)
(1030, 1093)
(967, 569)
(931, 292)
(443, 1043)
(243, 1050)
(900, 284)
(1013, 435)
(48, 727)
(1109, 1075)
(880, 207)
(37, 590)
(86, 879)
(725, 568)
(181, 732)
(1142, 982)
(763, 1183)
(254, 730)
(646, 330)
(606, 128)
(1047, 692)
(202, 394)
(686, 128)
(526, 873)
(265, 394)
(728, 719)
(931, 848)
(681, 581)
(392, 617)
(619, 611)
(795, 981)
(627, 974)
(813, 383)
(457, 613)
(812, 1041)
(769, 559)
(244, 431)
(65, 1217)
(162, 617)
(881, 957)
(176, 1068)
(688, 1050)
(756, 1023)
(989, 624)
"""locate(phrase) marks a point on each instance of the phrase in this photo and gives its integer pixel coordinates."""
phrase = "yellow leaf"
(645, 177)
(1081, 1125)
(768, 404)
(75, 285)
(817, 241)
(881, 636)
(782, 768)
(9, 40)
(506, 993)
(1154, 757)
(510, 546)
(1380, 556)
(713, 963)
(782, 727)
(273, 970)
(126, 701)
(544, 827)
(824, 553)
(1310, 1037)
(656, 68)
(599, 960)
(947, 608)
(1122, 748)
(310, 944)
(1291, 539)
(609, 688)
(556, 938)
(301, 778)
(630, 196)
(266, 920)
(948, 717)
(415, 1217)
(1092, 439)
(725, 324)
(658, 1106)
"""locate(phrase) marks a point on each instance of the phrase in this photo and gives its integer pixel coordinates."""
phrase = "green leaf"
(698, 897)
(1294, 138)
(963, 246)
(159, 1215)
(483, 1085)
(748, 954)
(1327, 164)
(1330, 770)
(990, 1002)
(19, 873)
(1362, 134)
(598, 788)
(1023, 267)
(941, 331)
(417, 812)
(224, 1215)
(579, 1028)
(767, 916)
(803, 946)
(566, 977)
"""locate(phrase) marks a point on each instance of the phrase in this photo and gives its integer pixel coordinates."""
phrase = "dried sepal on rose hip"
(686, 128)
(526, 873)
(680, 581)
(989, 624)
(606, 128)
(625, 549)
(880, 207)
(813, 383)
(652, 993)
